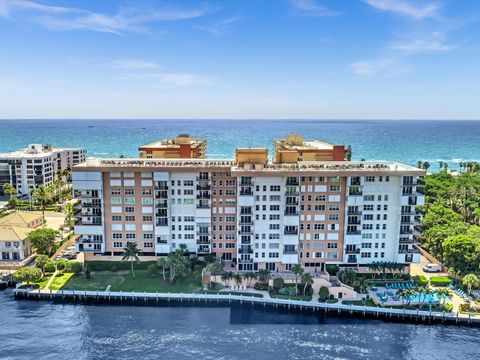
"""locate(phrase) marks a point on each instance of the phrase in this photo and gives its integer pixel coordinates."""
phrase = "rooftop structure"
(295, 148)
(25, 219)
(36, 165)
(183, 147)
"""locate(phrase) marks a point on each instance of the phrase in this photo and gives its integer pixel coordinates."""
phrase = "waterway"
(43, 330)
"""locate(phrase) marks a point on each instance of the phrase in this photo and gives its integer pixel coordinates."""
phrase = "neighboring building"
(250, 211)
(181, 147)
(36, 165)
(25, 219)
(295, 148)
(14, 230)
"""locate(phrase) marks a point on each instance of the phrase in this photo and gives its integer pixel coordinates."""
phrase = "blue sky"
(250, 59)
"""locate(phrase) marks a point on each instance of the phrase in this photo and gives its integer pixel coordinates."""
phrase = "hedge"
(420, 280)
(117, 265)
(440, 280)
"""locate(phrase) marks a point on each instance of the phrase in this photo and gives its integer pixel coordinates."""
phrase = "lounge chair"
(387, 285)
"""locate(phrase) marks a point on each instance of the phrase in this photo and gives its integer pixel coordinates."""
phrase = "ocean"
(404, 141)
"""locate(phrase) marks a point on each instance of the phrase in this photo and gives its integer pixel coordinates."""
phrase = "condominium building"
(181, 147)
(251, 211)
(36, 165)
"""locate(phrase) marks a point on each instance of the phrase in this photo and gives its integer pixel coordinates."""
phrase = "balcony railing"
(203, 196)
(354, 222)
(203, 187)
(291, 213)
(292, 182)
(290, 232)
(408, 251)
(162, 222)
(354, 212)
(245, 251)
(356, 232)
(246, 193)
(352, 251)
(289, 252)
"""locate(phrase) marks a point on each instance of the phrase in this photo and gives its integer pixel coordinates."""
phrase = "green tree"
(297, 270)
(471, 281)
(130, 253)
(28, 274)
(462, 252)
(43, 196)
(10, 191)
(213, 268)
(238, 279)
(263, 275)
(43, 240)
(307, 280)
(444, 294)
(164, 264)
(323, 293)
(179, 264)
(70, 215)
(40, 262)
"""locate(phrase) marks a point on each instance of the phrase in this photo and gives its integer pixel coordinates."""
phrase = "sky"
(240, 59)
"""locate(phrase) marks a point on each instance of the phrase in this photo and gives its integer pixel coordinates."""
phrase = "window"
(130, 236)
(147, 201)
(129, 201)
(334, 188)
(116, 218)
(115, 200)
(129, 209)
(320, 197)
(274, 187)
(129, 192)
(147, 192)
(148, 236)
(369, 197)
(129, 218)
(333, 217)
(369, 178)
(117, 235)
(147, 218)
(148, 244)
(117, 244)
(116, 192)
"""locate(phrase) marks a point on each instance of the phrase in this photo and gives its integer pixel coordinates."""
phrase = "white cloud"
(68, 19)
(416, 10)
(169, 78)
(134, 64)
(382, 67)
(311, 8)
(433, 43)
(221, 27)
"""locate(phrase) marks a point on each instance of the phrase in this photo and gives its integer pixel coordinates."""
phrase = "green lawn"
(369, 302)
(59, 281)
(41, 284)
(123, 281)
(291, 297)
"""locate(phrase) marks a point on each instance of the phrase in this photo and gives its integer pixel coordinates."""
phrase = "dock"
(217, 300)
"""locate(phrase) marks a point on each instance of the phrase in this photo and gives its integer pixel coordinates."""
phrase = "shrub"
(287, 291)
(448, 307)
(261, 286)
(440, 280)
(215, 286)
(87, 273)
(76, 267)
(50, 266)
(152, 270)
(420, 280)
(323, 293)
(278, 283)
(114, 268)
(61, 265)
(332, 269)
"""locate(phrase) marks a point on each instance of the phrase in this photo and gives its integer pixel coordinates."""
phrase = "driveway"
(416, 269)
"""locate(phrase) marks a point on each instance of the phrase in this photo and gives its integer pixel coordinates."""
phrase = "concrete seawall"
(215, 300)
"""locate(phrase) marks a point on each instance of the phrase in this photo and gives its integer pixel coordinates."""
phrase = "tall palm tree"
(307, 279)
(420, 164)
(43, 196)
(263, 275)
(163, 263)
(130, 252)
(444, 293)
(214, 268)
(426, 165)
(237, 278)
(297, 271)
(70, 215)
(373, 267)
(9, 190)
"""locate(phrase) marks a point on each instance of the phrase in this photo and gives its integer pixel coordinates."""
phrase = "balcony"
(352, 251)
(245, 182)
(245, 251)
(292, 193)
(292, 182)
(355, 192)
(408, 251)
(290, 213)
(203, 206)
(245, 261)
(201, 187)
(290, 232)
(354, 212)
(161, 222)
(245, 232)
(203, 250)
(246, 222)
(161, 205)
(203, 196)
(291, 202)
(204, 242)
(89, 241)
(161, 187)
(354, 222)
(161, 195)
(289, 252)
(406, 241)
(203, 233)
(246, 193)
(356, 232)
(246, 212)
(406, 232)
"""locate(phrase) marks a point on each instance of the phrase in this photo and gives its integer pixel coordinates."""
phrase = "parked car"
(432, 268)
